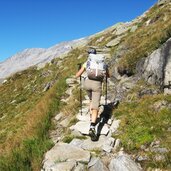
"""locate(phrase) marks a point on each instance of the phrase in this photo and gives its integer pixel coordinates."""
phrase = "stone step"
(84, 126)
(61, 155)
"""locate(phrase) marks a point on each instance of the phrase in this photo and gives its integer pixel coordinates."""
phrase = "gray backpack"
(96, 67)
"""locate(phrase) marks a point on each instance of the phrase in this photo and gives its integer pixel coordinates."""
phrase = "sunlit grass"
(146, 39)
(26, 112)
(141, 124)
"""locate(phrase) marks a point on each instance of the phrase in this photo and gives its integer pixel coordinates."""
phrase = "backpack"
(96, 67)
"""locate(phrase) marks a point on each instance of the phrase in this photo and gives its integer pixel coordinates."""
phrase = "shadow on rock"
(106, 115)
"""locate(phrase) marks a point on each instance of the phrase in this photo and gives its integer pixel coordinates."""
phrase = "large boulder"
(157, 67)
(96, 165)
(123, 162)
(62, 154)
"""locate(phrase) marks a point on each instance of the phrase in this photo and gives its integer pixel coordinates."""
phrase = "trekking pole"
(106, 89)
(79, 67)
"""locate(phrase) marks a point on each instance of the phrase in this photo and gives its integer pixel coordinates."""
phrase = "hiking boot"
(92, 133)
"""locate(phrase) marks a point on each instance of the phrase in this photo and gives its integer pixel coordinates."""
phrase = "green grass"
(146, 39)
(68, 138)
(27, 155)
(142, 123)
(26, 112)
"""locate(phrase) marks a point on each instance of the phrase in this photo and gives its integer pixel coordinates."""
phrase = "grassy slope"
(26, 113)
(141, 123)
(32, 107)
(146, 39)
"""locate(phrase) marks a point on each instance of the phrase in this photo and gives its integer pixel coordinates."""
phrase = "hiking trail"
(106, 154)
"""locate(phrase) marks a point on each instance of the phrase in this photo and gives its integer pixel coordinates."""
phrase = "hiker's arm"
(78, 74)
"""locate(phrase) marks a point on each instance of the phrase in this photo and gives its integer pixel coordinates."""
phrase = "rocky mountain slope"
(39, 107)
(36, 56)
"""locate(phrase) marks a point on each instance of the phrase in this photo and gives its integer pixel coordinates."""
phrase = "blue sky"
(44, 23)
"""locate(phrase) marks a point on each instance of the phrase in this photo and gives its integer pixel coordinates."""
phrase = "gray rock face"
(157, 67)
(36, 56)
(97, 165)
(69, 165)
(123, 163)
(61, 155)
(154, 66)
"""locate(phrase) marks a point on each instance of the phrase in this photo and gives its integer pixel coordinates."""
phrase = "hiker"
(93, 85)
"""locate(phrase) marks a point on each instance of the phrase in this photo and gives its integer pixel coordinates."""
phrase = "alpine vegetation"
(48, 123)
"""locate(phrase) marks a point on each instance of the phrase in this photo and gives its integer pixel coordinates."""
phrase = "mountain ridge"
(36, 56)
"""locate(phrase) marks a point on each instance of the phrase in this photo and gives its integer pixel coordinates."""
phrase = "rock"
(69, 91)
(81, 126)
(117, 145)
(14, 101)
(161, 2)
(100, 144)
(159, 158)
(65, 122)
(76, 133)
(148, 91)
(155, 144)
(148, 22)
(122, 28)
(157, 106)
(108, 145)
(80, 167)
(169, 129)
(159, 150)
(114, 42)
(96, 165)
(115, 125)
(54, 136)
(167, 77)
(156, 68)
(83, 117)
(4, 81)
(47, 87)
(86, 102)
(142, 158)
(89, 145)
(76, 142)
(123, 162)
(84, 126)
(71, 81)
(63, 152)
(133, 28)
(153, 68)
(84, 111)
(68, 166)
(58, 116)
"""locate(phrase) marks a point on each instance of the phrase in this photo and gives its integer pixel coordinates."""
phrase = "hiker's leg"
(87, 87)
(94, 109)
(89, 93)
(95, 105)
(94, 115)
